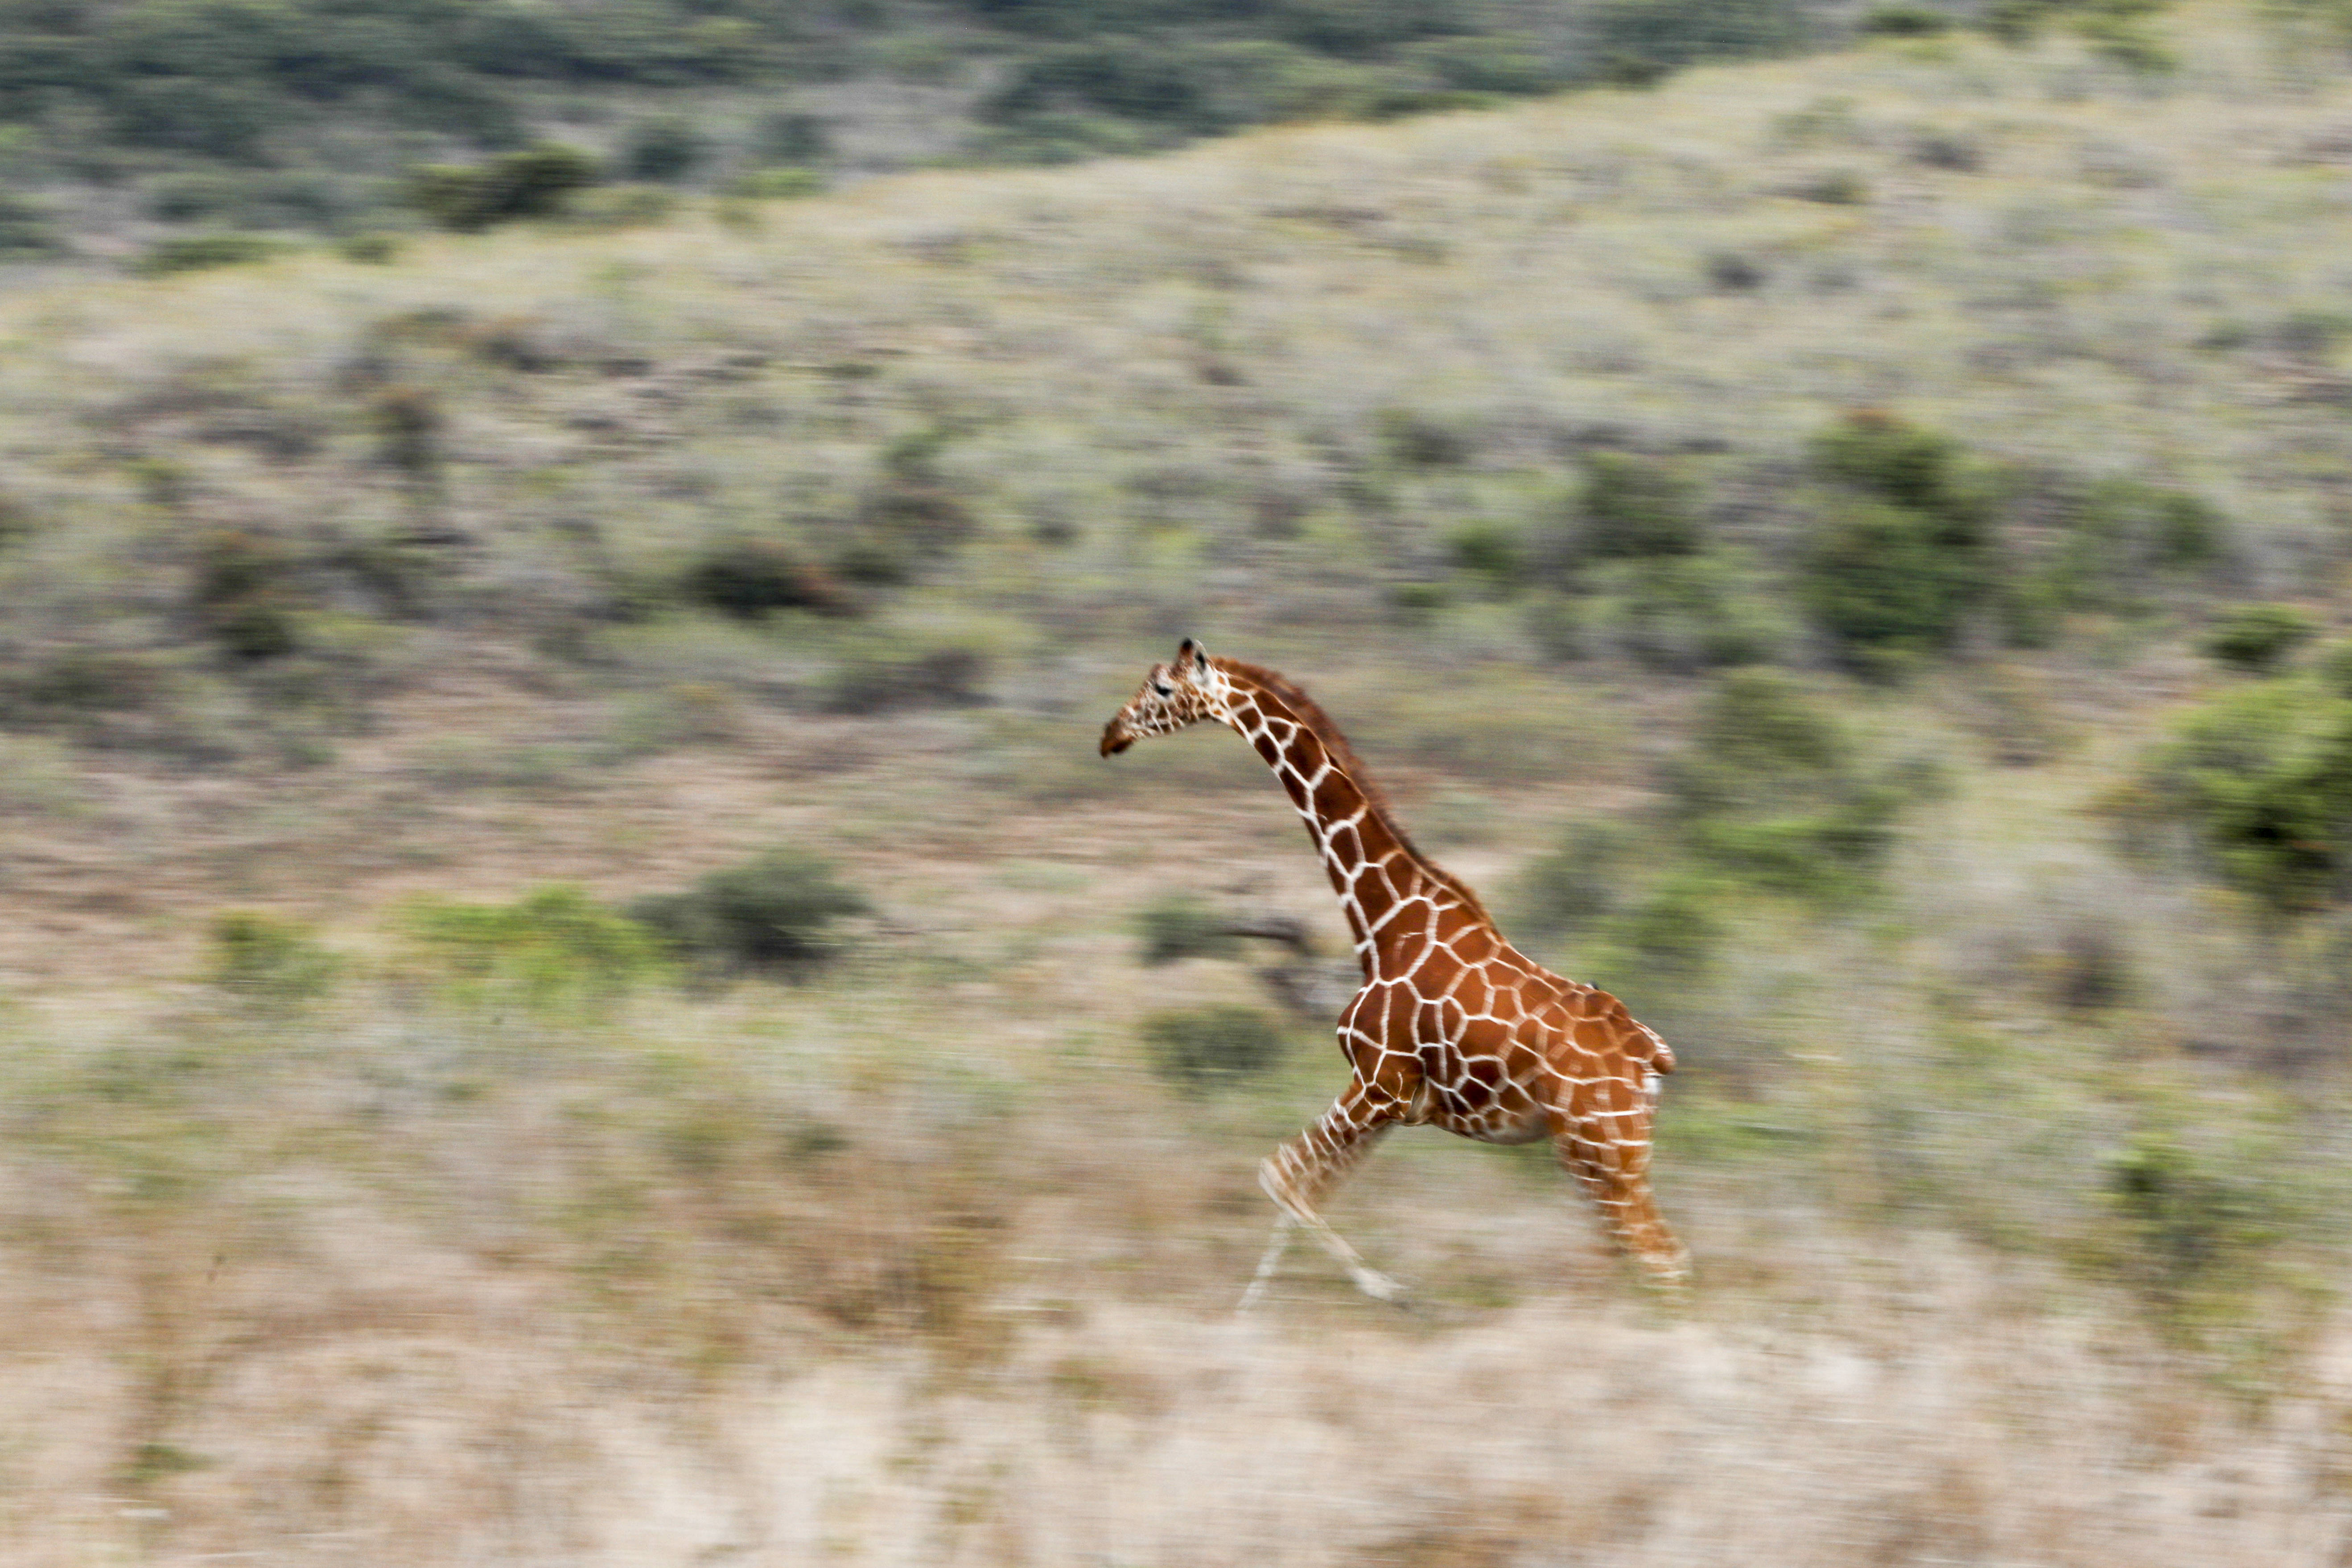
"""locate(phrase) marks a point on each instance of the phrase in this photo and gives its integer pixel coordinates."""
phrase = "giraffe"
(1453, 1027)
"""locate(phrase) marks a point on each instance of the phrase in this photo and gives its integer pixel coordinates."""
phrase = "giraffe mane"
(1310, 713)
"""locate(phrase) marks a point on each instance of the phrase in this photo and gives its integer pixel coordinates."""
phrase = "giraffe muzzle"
(1116, 738)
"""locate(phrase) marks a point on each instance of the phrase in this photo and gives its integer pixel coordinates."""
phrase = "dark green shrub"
(792, 140)
(244, 591)
(665, 148)
(749, 578)
(2262, 777)
(923, 520)
(27, 231)
(1578, 882)
(1203, 1048)
(2257, 639)
(1772, 789)
(1689, 613)
(1636, 505)
(1669, 34)
(407, 423)
(1418, 440)
(200, 252)
(1899, 20)
(774, 912)
(2194, 1234)
(371, 249)
(942, 677)
(266, 961)
(1182, 928)
(1416, 603)
(1675, 933)
(776, 185)
(538, 182)
(1496, 63)
(1887, 583)
(1492, 550)
(1906, 465)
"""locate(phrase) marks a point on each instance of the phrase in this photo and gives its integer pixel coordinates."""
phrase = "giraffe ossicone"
(1452, 1027)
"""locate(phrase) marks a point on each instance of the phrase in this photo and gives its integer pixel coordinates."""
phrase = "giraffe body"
(1454, 1027)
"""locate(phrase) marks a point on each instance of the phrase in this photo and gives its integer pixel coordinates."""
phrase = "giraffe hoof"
(1381, 1287)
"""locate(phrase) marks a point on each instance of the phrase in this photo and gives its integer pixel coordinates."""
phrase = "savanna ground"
(2010, 1140)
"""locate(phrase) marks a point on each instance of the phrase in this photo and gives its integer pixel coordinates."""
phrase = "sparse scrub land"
(444, 1126)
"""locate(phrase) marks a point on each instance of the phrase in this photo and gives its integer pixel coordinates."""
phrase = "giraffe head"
(1185, 691)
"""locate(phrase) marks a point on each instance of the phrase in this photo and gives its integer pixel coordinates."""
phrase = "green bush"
(1636, 505)
(1674, 934)
(551, 947)
(1203, 1048)
(2262, 777)
(774, 912)
(244, 594)
(792, 140)
(1493, 551)
(1416, 440)
(1669, 34)
(751, 578)
(201, 252)
(1578, 882)
(1899, 20)
(266, 961)
(1690, 613)
(538, 182)
(776, 185)
(665, 148)
(1773, 789)
(1893, 568)
(1182, 928)
(877, 682)
(2194, 1234)
(2257, 639)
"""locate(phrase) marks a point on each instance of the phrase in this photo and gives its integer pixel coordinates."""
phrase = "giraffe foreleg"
(1306, 1168)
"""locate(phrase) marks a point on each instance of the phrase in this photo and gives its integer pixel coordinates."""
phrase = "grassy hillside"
(121, 121)
(1845, 552)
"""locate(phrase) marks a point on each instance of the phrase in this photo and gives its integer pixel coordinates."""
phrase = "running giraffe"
(1453, 1027)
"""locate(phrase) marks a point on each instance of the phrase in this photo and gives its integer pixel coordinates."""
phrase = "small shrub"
(2257, 639)
(1833, 187)
(243, 594)
(1735, 273)
(1674, 934)
(944, 678)
(538, 182)
(1899, 20)
(792, 140)
(371, 249)
(1182, 928)
(551, 948)
(1689, 613)
(923, 519)
(1417, 604)
(777, 185)
(1636, 505)
(1203, 1047)
(1492, 550)
(622, 206)
(750, 578)
(199, 252)
(2196, 1235)
(266, 961)
(665, 148)
(1417, 440)
(774, 912)
(1578, 882)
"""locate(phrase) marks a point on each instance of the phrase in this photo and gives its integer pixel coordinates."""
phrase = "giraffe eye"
(1163, 688)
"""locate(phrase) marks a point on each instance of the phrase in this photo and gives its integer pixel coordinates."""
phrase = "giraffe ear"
(1189, 649)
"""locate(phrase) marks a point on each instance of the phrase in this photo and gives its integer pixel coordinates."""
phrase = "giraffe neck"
(1391, 895)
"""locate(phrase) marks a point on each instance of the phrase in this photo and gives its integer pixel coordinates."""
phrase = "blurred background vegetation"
(576, 980)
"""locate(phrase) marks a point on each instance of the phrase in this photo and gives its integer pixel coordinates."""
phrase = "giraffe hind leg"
(1611, 1164)
(1308, 1166)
